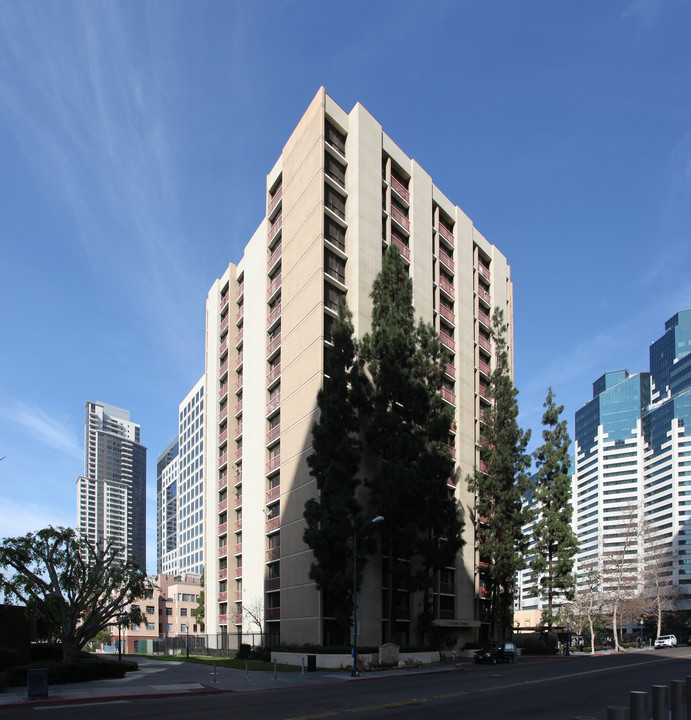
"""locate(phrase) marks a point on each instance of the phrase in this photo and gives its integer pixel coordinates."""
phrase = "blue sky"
(135, 138)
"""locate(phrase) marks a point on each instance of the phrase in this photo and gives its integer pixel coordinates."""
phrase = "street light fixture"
(356, 535)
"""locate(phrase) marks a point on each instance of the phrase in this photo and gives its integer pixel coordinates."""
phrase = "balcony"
(484, 294)
(450, 371)
(482, 466)
(273, 613)
(222, 505)
(484, 343)
(274, 287)
(273, 463)
(482, 591)
(451, 482)
(447, 395)
(273, 583)
(222, 436)
(273, 434)
(238, 362)
(400, 189)
(241, 290)
(223, 596)
(402, 613)
(273, 494)
(222, 528)
(447, 341)
(274, 315)
(223, 414)
(238, 548)
(451, 449)
(275, 228)
(273, 553)
(273, 345)
(223, 573)
(224, 323)
(237, 617)
(446, 233)
(238, 502)
(222, 619)
(484, 318)
(240, 314)
(447, 287)
(222, 460)
(238, 454)
(452, 429)
(223, 391)
(238, 431)
(222, 551)
(445, 258)
(275, 257)
(238, 385)
(400, 218)
(484, 391)
(223, 482)
(238, 525)
(238, 572)
(447, 588)
(275, 199)
(238, 337)
(483, 270)
(447, 314)
(484, 367)
(238, 407)
(273, 523)
(404, 249)
(273, 404)
(223, 347)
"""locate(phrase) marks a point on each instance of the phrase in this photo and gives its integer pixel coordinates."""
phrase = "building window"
(150, 626)
(150, 609)
(334, 266)
(183, 612)
(169, 627)
(169, 611)
(335, 138)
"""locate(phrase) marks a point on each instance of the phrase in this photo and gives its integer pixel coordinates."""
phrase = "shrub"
(83, 670)
(244, 651)
(8, 656)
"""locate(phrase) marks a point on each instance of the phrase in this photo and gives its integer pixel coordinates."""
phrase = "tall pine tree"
(407, 435)
(554, 541)
(500, 489)
(334, 463)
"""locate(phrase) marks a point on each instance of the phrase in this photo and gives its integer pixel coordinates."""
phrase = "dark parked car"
(501, 652)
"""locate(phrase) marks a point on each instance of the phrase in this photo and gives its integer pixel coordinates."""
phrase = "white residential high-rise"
(167, 477)
(340, 193)
(111, 495)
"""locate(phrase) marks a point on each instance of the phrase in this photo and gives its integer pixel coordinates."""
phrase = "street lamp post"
(187, 645)
(356, 535)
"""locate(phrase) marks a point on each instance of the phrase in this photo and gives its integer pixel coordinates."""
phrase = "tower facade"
(167, 478)
(339, 194)
(111, 495)
(633, 469)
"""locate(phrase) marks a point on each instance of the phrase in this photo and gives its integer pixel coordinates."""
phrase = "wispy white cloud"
(51, 431)
(18, 518)
(644, 11)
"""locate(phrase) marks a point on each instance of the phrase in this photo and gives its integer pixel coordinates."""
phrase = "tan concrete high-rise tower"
(341, 191)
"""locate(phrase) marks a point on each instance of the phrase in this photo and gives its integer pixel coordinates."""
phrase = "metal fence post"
(617, 712)
(660, 702)
(638, 705)
(677, 691)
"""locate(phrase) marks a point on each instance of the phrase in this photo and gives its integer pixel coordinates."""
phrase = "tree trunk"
(70, 650)
(614, 625)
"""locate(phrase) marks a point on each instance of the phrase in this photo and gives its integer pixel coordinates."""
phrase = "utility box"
(37, 682)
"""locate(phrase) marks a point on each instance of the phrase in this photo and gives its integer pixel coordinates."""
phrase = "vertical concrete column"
(688, 697)
(617, 712)
(677, 691)
(660, 702)
(638, 705)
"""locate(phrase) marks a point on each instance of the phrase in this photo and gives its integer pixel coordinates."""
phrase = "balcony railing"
(223, 346)
(484, 367)
(238, 572)
(447, 287)
(273, 286)
(451, 482)
(452, 450)
(238, 453)
(222, 504)
(273, 523)
(405, 250)
(273, 613)
(483, 466)
(275, 199)
(238, 362)
(484, 343)
(273, 463)
(223, 596)
(447, 395)
(484, 294)
(276, 225)
(222, 551)
(238, 525)
(238, 407)
(273, 403)
(446, 259)
(241, 290)
(222, 528)
(223, 482)
(237, 617)
(238, 337)
(484, 392)
(273, 494)
(223, 390)
(273, 345)
(484, 318)
(238, 596)
(222, 459)
(450, 370)
(238, 501)
(446, 233)
(225, 322)
(273, 433)
(223, 414)
(222, 619)
(238, 430)
(274, 315)
(274, 374)
(240, 314)
(446, 614)
(223, 436)
(238, 548)
(483, 270)
(223, 573)
(402, 613)
(447, 314)
(273, 553)
(447, 340)
(400, 218)
(400, 188)
(273, 583)
(275, 256)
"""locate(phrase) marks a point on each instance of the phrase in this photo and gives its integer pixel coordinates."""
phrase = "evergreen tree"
(333, 517)
(554, 542)
(408, 430)
(500, 488)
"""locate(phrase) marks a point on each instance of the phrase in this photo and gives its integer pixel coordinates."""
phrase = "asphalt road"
(547, 689)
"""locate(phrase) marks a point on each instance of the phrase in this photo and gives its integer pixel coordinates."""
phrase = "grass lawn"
(253, 665)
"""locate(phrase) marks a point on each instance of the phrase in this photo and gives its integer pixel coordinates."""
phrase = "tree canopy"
(74, 586)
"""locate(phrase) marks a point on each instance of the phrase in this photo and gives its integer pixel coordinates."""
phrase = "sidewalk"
(165, 678)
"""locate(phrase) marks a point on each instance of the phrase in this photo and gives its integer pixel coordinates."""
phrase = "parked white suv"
(666, 641)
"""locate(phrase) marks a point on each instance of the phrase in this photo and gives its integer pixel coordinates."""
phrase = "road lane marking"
(79, 704)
